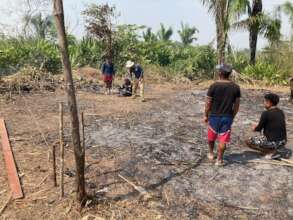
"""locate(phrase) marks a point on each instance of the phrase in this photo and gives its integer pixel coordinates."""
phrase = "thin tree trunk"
(254, 30)
(78, 152)
(253, 37)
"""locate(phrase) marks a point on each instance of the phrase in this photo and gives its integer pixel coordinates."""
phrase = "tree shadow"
(154, 186)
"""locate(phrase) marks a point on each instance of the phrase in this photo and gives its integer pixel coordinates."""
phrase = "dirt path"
(160, 145)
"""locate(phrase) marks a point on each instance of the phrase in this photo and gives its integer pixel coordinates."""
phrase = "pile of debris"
(28, 79)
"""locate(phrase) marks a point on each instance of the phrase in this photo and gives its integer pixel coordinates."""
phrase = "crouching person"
(272, 124)
(137, 71)
(126, 88)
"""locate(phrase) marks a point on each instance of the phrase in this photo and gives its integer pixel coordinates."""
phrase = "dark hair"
(273, 98)
(225, 70)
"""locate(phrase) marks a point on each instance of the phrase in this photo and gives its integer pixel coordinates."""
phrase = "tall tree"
(75, 135)
(258, 23)
(42, 26)
(221, 10)
(164, 34)
(100, 24)
(187, 34)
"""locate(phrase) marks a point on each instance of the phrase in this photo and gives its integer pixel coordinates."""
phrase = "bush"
(16, 53)
(266, 71)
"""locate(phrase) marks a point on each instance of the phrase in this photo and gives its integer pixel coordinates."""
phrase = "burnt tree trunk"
(69, 87)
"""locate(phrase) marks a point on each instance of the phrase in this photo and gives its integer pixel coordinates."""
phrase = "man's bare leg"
(221, 151)
(211, 155)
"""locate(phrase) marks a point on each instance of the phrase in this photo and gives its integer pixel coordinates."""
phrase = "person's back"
(222, 105)
(108, 69)
(224, 94)
(273, 125)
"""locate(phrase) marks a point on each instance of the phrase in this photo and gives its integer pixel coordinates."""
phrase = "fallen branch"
(287, 161)
(5, 205)
(43, 180)
(271, 162)
(137, 188)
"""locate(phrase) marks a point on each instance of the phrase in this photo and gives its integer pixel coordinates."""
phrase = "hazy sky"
(152, 13)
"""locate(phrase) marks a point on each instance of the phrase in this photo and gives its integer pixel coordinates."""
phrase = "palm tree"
(221, 10)
(42, 26)
(187, 34)
(165, 34)
(257, 23)
(288, 9)
(149, 36)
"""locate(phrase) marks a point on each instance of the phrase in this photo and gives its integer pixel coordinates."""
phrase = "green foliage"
(288, 9)
(15, 53)
(267, 72)
(164, 34)
(149, 36)
(87, 51)
(187, 34)
(239, 60)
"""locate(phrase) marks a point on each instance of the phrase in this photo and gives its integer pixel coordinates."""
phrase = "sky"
(151, 13)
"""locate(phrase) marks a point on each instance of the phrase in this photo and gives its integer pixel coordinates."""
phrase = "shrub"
(266, 71)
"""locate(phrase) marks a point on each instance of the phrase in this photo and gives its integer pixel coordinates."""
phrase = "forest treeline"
(38, 46)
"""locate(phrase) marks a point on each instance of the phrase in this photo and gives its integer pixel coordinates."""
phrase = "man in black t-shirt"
(222, 105)
(273, 125)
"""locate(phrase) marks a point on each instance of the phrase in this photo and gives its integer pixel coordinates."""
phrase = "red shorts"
(223, 138)
(108, 79)
(220, 128)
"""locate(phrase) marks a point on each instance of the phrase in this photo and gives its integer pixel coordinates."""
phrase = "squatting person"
(273, 125)
(137, 71)
(222, 105)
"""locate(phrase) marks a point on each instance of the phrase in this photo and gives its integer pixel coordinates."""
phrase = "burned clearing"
(159, 146)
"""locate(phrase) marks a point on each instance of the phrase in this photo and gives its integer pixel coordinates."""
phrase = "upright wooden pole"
(53, 152)
(69, 87)
(61, 151)
(82, 132)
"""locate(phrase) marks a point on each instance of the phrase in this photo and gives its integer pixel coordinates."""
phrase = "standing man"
(222, 105)
(108, 72)
(137, 71)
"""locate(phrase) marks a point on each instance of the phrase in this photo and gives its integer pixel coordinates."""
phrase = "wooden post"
(54, 165)
(70, 90)
(82, 132)
(61, 151)
(291, 89)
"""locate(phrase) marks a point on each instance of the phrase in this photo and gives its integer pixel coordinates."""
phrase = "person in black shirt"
(222, 105)
(272, 124)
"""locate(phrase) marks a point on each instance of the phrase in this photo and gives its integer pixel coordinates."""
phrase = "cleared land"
(159, 145)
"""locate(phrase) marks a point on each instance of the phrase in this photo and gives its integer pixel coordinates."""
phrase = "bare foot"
(211, 156)
(220, 163)
(269, 156)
